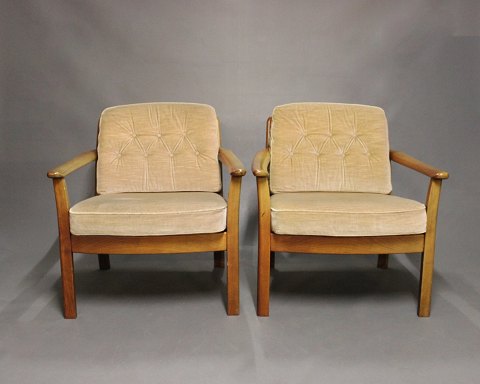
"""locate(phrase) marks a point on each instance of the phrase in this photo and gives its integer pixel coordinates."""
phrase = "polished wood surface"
(417, 165)
(347, 245)
(233, 288)
(72, 165)
(139, 245)
(66, 255)
(260, 163)
(232, 162)
(428, 255)
(263, 285)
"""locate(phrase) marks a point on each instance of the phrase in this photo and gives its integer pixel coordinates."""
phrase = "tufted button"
(171, 154)
(197, 153)
(159, 135)
(145, 155)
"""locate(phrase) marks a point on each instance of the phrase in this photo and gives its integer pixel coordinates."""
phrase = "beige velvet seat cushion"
(158, 147)
(330, 148)
(346, 214)
(148, 214)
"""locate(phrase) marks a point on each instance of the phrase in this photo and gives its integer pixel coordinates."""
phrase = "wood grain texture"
(263, 278)
(417, 165)
(428, 255)
(347, 245)
(72, 165)
(149, 244)
(66, 254)
(233, 211)
(232, 162)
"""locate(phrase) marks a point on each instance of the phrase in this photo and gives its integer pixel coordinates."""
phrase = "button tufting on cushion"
(160, 143)
(349, 142)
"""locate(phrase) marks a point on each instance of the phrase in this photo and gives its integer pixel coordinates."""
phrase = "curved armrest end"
(260, 163)
(234, 164)
(72, 165)
(417, 165)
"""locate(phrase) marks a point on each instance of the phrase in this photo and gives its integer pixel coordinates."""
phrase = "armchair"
(324, 184)
(159, 190)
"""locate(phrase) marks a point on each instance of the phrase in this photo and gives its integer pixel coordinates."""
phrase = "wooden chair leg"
(263, 285)
(233, 290)
(426, 277)
(219, 259)
(382, 261)
(272, 260)
(68, 283)
(104, 261)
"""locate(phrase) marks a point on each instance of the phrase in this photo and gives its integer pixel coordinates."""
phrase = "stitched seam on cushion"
(348, 212)
(148, 213)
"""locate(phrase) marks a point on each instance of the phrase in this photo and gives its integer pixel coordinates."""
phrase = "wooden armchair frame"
(104, 245)
(269, 242)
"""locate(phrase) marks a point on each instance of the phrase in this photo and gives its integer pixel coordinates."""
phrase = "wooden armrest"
(235, 166)
(260, 163)
(73, 164)
(412, 163)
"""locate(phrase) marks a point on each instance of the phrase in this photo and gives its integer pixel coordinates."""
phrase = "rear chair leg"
(219, 259)
(104, 261)
(272, 260)
(382, 262)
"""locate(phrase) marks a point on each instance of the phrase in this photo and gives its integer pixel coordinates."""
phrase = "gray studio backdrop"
(63, 62)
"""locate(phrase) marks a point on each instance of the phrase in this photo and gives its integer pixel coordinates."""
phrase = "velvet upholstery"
(149, 214)
(329, 147)
(346, 214)
(158, 147)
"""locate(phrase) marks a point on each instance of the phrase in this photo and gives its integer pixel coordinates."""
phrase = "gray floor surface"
(161, 319)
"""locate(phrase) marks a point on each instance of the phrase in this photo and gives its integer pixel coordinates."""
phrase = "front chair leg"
(68, 283)
(382, 261)
(233, 300)
(426, 277)
(219, 259)
(104, 261)
(263, 285)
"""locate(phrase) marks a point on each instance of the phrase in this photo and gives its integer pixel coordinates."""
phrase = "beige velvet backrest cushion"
(329, 147)
(158, 147)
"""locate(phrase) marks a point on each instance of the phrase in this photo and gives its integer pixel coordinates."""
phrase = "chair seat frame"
(269, 242)
(105, 245)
